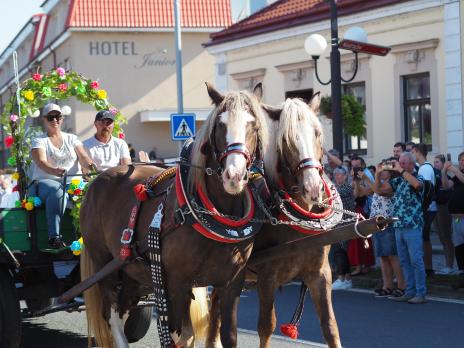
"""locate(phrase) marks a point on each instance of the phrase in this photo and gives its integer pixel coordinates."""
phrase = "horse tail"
(199, 313)
(97, 326)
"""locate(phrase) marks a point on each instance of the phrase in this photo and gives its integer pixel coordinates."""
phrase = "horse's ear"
(315, 102)
(258, 91)
(215, 96)
(272, 111)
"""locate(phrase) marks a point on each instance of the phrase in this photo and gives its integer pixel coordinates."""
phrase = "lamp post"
(355, 40)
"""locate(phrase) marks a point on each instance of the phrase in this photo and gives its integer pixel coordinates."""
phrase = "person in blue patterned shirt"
(407, 206)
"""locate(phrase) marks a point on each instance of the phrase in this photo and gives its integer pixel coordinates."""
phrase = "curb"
(438, 286)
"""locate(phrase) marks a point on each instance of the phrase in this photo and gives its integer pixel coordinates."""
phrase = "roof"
(148, 13)
(290, 13)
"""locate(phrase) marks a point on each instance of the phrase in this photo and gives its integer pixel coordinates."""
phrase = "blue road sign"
(182, 126)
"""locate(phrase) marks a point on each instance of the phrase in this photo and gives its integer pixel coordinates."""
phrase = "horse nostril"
(227, 175)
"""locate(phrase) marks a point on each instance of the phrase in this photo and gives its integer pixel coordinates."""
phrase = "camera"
(356, 170)
(448, 157)
(388, 163)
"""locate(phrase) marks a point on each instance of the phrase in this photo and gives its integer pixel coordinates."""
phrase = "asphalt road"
(364, 321)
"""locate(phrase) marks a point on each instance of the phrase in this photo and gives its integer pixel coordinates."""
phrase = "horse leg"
(213, 339)
(267, 287)
(117, 329)
(228, 305)
(320, 286)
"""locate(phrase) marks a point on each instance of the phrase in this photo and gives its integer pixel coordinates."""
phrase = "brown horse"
(292, 164)
(229, 139)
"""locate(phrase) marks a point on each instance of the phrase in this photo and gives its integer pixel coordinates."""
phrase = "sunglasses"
(50, 118)
(106, 121)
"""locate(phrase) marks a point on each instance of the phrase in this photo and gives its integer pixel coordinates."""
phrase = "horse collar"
(204, 217)
(306, 221)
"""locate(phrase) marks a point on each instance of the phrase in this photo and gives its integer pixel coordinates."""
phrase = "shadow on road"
(38, 335)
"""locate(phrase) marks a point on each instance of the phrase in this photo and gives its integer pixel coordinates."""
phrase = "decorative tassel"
(140, 192)
(289, 330)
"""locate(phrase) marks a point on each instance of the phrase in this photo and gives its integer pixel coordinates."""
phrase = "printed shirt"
(346, 194)
(381, 205)
(407, 204)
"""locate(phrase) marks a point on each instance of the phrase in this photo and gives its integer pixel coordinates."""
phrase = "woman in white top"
(54, 154)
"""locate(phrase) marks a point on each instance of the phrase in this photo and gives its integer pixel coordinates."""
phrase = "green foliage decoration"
(352, 111)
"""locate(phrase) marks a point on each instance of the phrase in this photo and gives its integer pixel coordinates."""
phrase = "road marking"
(286, 339)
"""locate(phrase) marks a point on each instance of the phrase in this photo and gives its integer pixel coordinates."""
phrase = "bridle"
(308, 163)
(238, 148)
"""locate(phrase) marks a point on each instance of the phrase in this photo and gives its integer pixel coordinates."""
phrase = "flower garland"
(57, 84)
(35, 92)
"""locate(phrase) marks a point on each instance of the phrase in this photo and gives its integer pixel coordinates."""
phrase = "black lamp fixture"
(355, 40)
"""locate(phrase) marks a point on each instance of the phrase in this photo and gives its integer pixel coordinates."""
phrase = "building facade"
(129, 47)
(413, 94)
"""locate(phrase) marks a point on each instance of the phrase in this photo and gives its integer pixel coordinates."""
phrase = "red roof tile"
(289, 13)
(148, 13)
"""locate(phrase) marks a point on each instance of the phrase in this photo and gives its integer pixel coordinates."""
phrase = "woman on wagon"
(54, 154)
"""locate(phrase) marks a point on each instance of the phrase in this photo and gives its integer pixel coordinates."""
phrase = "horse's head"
(297, 146)
(233, 135)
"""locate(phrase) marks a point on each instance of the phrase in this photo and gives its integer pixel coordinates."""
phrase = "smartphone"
(448, 157)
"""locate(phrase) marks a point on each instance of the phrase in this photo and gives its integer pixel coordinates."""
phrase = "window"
(354, 144)
(417, 109)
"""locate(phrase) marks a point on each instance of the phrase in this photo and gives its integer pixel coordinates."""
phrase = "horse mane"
(234, 100)
(294, 111)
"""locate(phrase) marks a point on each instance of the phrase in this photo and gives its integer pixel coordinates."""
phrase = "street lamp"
(355, 40)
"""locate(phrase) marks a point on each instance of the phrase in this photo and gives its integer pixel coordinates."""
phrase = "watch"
(402, 172)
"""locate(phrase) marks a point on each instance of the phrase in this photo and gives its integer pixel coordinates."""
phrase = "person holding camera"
(360, 257)
(456, 208)
(385, 242)
(407, 187)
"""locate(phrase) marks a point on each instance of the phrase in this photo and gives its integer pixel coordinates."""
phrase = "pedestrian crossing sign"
(182, 126)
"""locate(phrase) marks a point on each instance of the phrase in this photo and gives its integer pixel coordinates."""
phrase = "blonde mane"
(233, 102)
(294, 112)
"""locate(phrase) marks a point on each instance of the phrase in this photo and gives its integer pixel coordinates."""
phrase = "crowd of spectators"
(424, 196)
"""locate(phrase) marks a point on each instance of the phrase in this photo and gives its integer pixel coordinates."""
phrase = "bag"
(441, 195)
(428, 194)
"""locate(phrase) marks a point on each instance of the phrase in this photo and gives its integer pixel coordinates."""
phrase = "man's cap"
(51, 108)
(104, 114)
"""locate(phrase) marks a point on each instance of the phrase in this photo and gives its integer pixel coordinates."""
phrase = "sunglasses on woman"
(50, 118)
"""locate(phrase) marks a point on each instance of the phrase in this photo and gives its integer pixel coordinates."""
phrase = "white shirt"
(426, 172)
(107, 155)
(65, 157)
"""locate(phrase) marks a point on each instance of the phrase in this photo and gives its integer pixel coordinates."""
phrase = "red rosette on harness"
(140, 192)
(289, 330)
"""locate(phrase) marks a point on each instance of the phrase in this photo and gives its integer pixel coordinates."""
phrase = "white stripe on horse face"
(311, 178)
(235, 166)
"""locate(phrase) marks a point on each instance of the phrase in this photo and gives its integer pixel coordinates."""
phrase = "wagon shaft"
(339, 234)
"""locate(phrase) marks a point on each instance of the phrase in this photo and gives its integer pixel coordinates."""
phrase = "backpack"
(441, 195)
(428, 194)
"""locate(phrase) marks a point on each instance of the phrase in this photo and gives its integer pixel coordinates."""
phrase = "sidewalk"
(438, 285)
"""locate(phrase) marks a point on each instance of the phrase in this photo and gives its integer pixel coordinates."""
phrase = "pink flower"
(36, 77)
(114, 111)
(60, 71)
(94, 84)
(121, 135)
(62, 87)
(13, 117)
(9, 140)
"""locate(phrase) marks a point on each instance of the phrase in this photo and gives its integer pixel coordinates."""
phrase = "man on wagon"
(106, 150)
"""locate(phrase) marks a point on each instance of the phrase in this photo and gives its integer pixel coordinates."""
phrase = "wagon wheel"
(138, 323)
(10, 316)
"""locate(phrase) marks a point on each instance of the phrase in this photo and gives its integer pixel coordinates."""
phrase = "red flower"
(63, 87)
(121, 135)
(94, 84)
(9, 140)
(36, 77)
